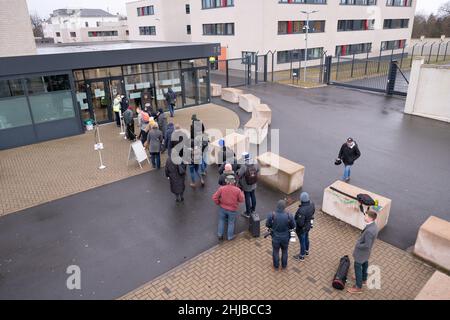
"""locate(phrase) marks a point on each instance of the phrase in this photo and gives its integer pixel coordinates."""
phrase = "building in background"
(16, 34)
(248, 27)
(84, 25)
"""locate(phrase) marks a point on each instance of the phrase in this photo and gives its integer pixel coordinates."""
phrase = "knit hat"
(221, 143)
(350, 140)
(246, 156)
(228, 167)
(281, 205)
(194, 117)
(304, 197)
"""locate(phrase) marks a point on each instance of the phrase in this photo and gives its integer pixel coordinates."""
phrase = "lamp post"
(306, 27)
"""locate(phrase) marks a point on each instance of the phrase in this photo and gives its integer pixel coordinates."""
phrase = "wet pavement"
(121, 235)
(405, 158)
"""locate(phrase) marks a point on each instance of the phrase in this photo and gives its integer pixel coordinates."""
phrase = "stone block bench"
(347, 209)
(280, 173)
(262, 111)
(216, 90)
(248, 102)
(433, 242)
(236, 142)
(231, 94)
(437, 288)
(256, 130)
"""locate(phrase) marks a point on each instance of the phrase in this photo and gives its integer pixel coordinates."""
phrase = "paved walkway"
(47, 171)
(242, 269)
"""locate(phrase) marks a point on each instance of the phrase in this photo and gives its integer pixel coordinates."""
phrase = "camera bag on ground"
(340, 278)
(254, 225)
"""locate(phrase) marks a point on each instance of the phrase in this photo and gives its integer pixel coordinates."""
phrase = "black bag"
(251, 174)
(365, 199)
(340, 278)
(254, 225)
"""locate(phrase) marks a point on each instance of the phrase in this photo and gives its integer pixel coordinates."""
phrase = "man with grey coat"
(363, 249)
(154, 141)
(247, 177)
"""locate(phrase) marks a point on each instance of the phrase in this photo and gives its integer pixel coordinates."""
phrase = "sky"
(45, 7)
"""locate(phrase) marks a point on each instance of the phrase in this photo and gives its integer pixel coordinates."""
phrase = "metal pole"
(273, 60)
(379, 61)
(226, 73)
(446, 47)
(439, 50)
(337, 67)
(306, 44)
(401, 61)
(353, 65)
(412, 54)
(431, 50)
(421, 52)
(367, 62)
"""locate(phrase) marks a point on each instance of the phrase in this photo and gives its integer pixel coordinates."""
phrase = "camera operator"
(280, 222)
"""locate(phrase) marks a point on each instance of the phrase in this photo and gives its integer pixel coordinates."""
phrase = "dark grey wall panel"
(58, 129)
(16, 137)
(95, 59)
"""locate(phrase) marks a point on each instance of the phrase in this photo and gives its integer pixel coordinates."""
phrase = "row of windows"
(218, 29)
(349, 49)
(208, 4)
(359, 2)
(103, 34)
(288, 56)
(145, 11)
(393, 45)
(399, 3)
(305, 1)
(396, 23)
(355, 25)
(392, 3)
(147, 31)
(290, 27)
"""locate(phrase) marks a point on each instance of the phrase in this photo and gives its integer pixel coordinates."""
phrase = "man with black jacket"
(348, 154)
(304, 218)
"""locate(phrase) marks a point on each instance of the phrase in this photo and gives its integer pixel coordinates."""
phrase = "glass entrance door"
(190, 96)
(99, 98)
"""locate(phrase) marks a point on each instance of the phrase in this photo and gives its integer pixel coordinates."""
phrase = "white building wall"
(16, 33)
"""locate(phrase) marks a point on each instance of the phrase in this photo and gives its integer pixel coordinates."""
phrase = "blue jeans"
(194, 171)
(250, 201)
(304, 243)
(347, 172)
(361, 273)
(225, 215)
(171, 109)
(203, 165)
(156, 159)
(278, 244)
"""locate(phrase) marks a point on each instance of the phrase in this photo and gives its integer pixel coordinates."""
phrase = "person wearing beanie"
(304, 219)
(228, 198)
(280, 223)
(128, 116)
(348, 154)
(154, 141)
(247, 178)
(228, 171)
(162, 121)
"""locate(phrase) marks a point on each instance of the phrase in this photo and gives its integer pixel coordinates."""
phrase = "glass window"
(14, 112)
(47, 84)
(194, 63)
(170, 65)
(136, 86)
(52, 106)
(82, 101)
(78, 75)
(102, 72)
(164, 80)
(137, 68)
(10, 88)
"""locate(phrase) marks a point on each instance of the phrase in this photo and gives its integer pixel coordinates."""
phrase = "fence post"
(327, 71)
(423, 45)
(446, 47)
(337, 67)
(379, 61)
(353, 65)
(256, 69)
(412, 55)
(392, 54)
(367, 62)
(226, 73)
(265, 68)
(249, 70)
(392, 76)
(431, 50)
(439, 50)
(401, 61)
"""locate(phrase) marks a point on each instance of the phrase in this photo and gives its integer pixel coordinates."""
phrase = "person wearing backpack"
(128, 116)
(177, 177)
(248, 177)
(280, 223)
(348, 154)
(143, 120)
(304, 218)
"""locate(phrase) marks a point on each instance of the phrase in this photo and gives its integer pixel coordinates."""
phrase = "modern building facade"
(16, 34)
(337, 27)
(50, 94)
(84, 25)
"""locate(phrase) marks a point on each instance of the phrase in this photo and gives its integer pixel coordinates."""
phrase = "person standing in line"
(363, 249)
(304, 218)
(168, 138)
(280, 223)
(162, 121)
(154, 141)
(124, 104)
(128, 118)
(199, 138)
(228, 171)
(177, 177)
(348, 154)
(248, 177)
(143, 120)
(228, 198)
(194, 167)
(171, 99)
(116, 109)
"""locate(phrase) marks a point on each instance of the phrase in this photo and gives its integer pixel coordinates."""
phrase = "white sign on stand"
(138, 153)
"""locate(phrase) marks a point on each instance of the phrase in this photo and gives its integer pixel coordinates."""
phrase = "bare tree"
(36, 23)
(444, 10)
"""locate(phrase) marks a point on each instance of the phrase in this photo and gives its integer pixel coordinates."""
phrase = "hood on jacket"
(281, 205)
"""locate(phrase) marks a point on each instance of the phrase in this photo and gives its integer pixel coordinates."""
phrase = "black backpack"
(251, 174)
(365, 199)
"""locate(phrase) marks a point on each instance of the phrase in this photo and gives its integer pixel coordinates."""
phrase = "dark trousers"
(304, 242)
(130, 132)
(143, 136)
(250, 201)
(361, 273)
(278, 244)
(156, 159)
(117, 118)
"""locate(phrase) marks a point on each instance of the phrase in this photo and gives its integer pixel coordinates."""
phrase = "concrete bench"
(248, 102)
(347, 209)
(262, 111)
(236, 142)
(256, 130)
(433, 242)
(437, 288)
(216, 90)
(281, 173)
(231, 94)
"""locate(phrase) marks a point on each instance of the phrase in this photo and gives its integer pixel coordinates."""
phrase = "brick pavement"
(242, 269)
(43, 172)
